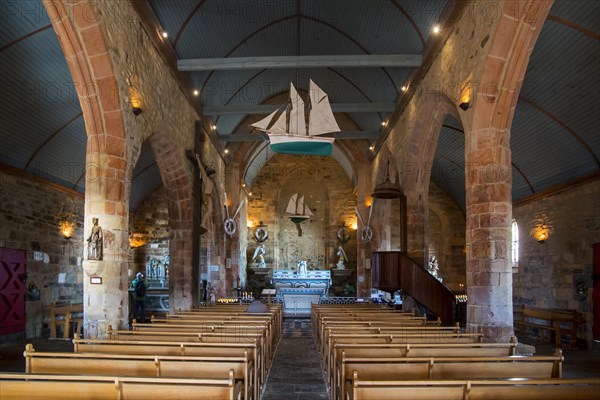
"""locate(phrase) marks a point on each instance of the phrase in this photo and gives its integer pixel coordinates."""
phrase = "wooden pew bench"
(241, 330)
(534, 389)
(88, 346)
(361, 350)
(549, 323)
(130, 365)
(65, 316)
(422, 368)
(326, 350)
(77, 387)
(192, 337)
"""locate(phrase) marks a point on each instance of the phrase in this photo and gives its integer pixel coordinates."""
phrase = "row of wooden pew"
(368, 352)
(218, 352)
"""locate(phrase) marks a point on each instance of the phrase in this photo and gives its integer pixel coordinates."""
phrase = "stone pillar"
(363, 249)
(416, 214)
(106, 280)
(489, 212)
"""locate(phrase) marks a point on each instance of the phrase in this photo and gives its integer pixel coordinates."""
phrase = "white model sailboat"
(298, 210)
(288, 130)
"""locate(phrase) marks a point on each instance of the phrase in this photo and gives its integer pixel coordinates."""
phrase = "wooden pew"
(534, 389)
(77, 387)
(193, 367)
(444, 368)
(550, 323)
(89, 346)
(373, 350)
(243, 330)
(64, 316)
(193, 337)
(332, 339)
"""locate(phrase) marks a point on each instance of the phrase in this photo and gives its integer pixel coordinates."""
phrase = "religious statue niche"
(433, 268)
(341, 258)
(95, 242)
(259, 256)
(157, 272)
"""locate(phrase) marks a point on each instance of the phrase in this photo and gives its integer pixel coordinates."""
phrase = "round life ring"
(261, 234)
(230, 226)
(366, 234)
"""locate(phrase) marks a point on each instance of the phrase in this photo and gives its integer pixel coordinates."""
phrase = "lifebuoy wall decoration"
(366, 233)
(229, 225)
(261, 234)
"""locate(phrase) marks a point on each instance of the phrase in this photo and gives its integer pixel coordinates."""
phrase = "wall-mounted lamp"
(66, 228)
(136, 240)
(540, 233)
(465, 98)
(134, 100)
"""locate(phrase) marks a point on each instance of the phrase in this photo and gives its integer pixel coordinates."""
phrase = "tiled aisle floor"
(296, 371)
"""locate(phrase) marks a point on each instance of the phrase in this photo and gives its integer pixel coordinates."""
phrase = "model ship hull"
(297, 144)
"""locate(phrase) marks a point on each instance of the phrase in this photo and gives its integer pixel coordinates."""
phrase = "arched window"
(514, 248)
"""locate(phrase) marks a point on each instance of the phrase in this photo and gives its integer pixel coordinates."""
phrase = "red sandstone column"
(489, 213)
(105, 281)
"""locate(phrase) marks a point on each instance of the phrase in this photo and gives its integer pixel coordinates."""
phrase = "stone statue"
(302, 268)
(433, 268)
(341, 258)
(258, 256)
(95, 241)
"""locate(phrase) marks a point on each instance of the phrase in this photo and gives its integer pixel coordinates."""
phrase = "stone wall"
(29, 215)
(329, 194)
(547, 274)
(150, 225)
(446, 233)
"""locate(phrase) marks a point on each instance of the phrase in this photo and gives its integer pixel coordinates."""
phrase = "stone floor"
(296, 372)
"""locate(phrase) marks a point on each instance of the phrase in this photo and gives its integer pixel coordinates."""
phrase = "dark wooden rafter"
(24, 37)
(410, 20)
(52, 136)
(575, 26)
(270, 24)
(186, 21)
(515, 166)
(575, 135)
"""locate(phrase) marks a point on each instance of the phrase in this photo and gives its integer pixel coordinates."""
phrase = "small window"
(514, 248)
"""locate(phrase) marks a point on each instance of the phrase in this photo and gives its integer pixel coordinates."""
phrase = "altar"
(299, 291)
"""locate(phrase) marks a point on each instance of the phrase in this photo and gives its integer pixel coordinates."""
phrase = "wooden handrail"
(394, 270)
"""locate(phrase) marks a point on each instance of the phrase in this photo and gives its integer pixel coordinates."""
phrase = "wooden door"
(596, 292)
(12, 291)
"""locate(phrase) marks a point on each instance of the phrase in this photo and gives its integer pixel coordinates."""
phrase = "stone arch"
(488, 168)
(82, 37)
(179, 186)
(431, 110)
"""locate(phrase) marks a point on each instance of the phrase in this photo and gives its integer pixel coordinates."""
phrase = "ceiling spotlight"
(436, 29)
(371, 147)
(226, 151)
(164, 34)
(383, 123)
(213, 127)
(404, 88)
(196, 92)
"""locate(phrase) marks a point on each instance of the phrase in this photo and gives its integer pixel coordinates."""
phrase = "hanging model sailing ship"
(298, 210)
(288, 130)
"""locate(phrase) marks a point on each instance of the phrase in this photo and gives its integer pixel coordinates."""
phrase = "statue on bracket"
(259, 256)
(95, 242)
(341, 258)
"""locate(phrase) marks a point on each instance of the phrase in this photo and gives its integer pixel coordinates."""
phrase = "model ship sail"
(287, 129)
(298, 211)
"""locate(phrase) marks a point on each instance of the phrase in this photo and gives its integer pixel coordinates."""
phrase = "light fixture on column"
(465, 98)
(66, 228)
(134, 100)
